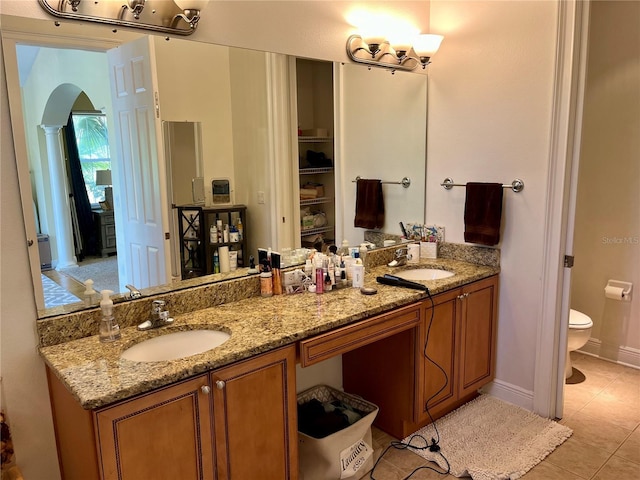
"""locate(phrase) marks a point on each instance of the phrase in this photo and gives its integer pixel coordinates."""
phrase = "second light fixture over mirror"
(391, 44)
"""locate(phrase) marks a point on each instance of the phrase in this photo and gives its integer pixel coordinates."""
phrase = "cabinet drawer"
(345, 339)
(110, 230)
(107, 218)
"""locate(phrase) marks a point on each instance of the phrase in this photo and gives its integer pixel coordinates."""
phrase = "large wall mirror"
(227, 105)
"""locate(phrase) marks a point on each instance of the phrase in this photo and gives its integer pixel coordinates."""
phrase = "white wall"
(490, 93)
(607, 235)
(23, 378)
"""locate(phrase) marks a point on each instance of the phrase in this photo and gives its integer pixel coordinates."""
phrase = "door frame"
(566, 133)
(10, 39)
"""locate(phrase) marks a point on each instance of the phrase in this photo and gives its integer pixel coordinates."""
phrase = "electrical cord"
(435, 441)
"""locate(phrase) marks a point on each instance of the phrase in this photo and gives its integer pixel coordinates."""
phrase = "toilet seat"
(579, 321)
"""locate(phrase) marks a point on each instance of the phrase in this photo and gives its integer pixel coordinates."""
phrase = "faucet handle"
(157, 305)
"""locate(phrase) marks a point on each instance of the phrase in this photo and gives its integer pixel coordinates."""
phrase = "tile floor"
(602, 407)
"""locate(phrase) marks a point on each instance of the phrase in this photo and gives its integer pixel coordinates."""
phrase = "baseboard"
(510, 393)
(627, 356)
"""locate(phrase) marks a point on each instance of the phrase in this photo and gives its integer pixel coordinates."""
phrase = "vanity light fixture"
(400, 53)
(177, 17)
(190, 12)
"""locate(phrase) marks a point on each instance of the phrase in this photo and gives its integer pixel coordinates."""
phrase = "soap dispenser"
(109, 329)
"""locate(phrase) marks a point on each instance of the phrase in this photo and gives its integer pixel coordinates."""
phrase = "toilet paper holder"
(620, 285)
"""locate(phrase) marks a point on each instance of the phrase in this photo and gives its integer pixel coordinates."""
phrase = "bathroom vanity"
(231, 412)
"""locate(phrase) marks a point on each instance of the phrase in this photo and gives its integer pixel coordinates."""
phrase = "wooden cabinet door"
(478, 335)
(441, 332)
(255, 418)
(162, 435)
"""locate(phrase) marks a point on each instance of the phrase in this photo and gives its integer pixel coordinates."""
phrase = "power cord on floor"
(434, 445)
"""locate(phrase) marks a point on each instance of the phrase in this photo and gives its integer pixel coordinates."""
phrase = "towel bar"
(405, 182)
(517, 185)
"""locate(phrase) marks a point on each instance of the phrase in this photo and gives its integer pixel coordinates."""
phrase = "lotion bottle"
(109, 329)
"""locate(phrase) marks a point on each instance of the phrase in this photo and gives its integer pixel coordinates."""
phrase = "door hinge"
(568, 261)
(157, 104)
(167, 236)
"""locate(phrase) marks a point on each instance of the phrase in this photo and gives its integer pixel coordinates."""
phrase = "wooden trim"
(350, 337)
(75, 434)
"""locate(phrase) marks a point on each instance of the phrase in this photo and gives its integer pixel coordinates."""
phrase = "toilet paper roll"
(615, 293)
(223, 253)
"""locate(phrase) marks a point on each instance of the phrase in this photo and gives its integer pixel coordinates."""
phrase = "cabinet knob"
(462, 296)
(206, 389)
(220, 384)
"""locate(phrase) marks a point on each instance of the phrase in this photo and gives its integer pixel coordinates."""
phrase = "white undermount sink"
(173, 346)
(424, 274)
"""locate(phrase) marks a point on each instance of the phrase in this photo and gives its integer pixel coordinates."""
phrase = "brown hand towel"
(369, 204)
(483, 213)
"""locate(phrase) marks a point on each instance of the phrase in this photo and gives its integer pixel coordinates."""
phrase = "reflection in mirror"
(228, 100)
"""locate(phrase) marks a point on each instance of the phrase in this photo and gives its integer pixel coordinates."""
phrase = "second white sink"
(424, 274)
(173, 346)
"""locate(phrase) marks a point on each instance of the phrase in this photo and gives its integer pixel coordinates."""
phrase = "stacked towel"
(483, 213)
(369, 204)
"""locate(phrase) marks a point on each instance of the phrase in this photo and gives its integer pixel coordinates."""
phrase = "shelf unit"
(196, 249)
(315, 165)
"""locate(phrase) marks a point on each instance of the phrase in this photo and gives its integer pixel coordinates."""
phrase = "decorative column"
(60, 197)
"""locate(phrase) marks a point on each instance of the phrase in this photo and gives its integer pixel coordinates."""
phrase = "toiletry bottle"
(343, 251)
(266, 281)
(213, 234)
(89, 293)
(363, 251)
(216, 261)
(319, 280)
(277, 274)
(109, 329)
(240, 229)
(358, 274)
(219, 230)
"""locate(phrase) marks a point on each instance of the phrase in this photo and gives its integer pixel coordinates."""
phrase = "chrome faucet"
(400, 257)
(133, 292)
(159, 316)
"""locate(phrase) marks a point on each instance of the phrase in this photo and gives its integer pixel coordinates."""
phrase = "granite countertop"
(96, 375)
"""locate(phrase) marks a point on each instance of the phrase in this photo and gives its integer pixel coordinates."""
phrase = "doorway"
(54, 83)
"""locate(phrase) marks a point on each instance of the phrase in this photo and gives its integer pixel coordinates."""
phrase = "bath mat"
(54, 294)
(489, 439)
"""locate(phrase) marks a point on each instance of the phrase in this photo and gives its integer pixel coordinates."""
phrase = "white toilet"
(578, 335)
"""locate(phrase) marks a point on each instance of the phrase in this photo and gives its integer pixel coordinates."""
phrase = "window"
(93, 148)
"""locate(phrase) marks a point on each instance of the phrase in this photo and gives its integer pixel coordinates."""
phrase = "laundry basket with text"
(334, 432)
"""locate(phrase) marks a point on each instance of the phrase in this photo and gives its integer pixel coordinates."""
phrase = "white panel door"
(140, 183)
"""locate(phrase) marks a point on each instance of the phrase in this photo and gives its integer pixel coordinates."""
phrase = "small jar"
(266, 284)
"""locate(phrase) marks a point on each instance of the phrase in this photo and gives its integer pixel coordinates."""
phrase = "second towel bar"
(517, 185)
(405, 182)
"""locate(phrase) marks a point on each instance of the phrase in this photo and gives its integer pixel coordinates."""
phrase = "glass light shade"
(402, 41)
(191, 4)
(427, 45)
